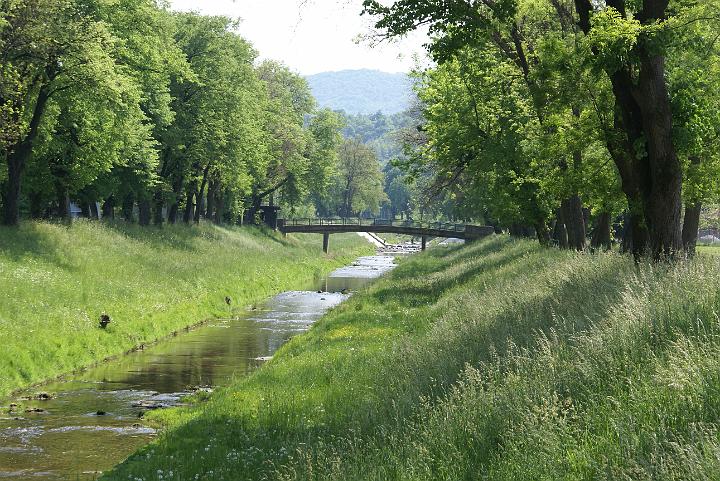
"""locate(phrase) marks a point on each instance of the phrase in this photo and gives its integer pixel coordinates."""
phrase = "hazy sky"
(312, 36)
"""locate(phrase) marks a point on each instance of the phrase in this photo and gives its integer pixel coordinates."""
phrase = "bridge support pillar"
(326, 242)
(423, 242)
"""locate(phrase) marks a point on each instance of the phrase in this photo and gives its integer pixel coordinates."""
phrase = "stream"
(92, 420)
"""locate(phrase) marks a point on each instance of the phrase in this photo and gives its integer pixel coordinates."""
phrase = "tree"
(359, 186)
(624, 46)
(49, 46)
(287, 165)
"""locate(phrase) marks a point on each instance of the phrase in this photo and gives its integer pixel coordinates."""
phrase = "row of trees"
(128, 105)
(555, 116)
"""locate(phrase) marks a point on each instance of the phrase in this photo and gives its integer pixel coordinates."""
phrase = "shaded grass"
(498, 360)
(56, 280)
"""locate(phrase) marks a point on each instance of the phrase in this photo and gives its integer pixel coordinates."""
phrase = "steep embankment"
(499, 360)
(56, 281)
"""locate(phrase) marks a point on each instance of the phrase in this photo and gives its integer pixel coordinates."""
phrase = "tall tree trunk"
(691, 226)
(542, 232)
(219, 208)
(159, 201)
(201, 193)
(144, 212)
(128, 206)
(173, 212)
(560, 234)
(572, 215)
(601, 237)
(627, 232)
(189, 207)
(63, 200)
(199, 205)
(94, 213)
(85, 209)
(635, 232)
(108, 208)
(652, 183)
(251, 213)
(11, 192)
(18, 157)
(175, 206)
(663, 199)
(36, 205)
(212, 194)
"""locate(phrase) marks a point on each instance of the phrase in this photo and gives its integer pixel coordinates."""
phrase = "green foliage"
(128, 104)
(613, 37)
(358, 184)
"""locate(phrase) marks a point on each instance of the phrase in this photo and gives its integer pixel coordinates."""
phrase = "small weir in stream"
(92, 420)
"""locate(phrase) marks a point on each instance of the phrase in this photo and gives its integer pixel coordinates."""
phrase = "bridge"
(424, 230)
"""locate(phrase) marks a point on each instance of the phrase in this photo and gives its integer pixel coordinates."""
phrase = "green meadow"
(57, 280)
(499, 360)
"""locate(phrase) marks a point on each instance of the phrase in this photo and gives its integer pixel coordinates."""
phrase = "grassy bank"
(499, 360)
(56, 281)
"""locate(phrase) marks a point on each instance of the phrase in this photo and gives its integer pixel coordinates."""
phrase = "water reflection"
(92, 422)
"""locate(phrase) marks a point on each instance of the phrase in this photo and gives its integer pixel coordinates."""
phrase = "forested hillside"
(361, 91)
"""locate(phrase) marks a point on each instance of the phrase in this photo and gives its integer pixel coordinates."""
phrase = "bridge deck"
(381, 226)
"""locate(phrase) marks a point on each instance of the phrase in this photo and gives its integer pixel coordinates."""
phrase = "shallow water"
(93, 420)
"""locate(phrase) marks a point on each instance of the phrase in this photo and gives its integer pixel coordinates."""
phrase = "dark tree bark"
(663, 197)
(189, 207)
(252, 211)
(94, 212)
(144, 212)
(543, 233)
(175, 206)
(691, 226)
(653, 183)
(85, 209)
(63, 201)
(212, 196)
(173, 212)
(17, 158)
(127, 208)
(108, 208)
(627, 234)
(691, 223)
(200, 196)
(520, 230)
(560, 231)
(601, 234)
(159, 202)
(219, 208)
(36, 205)
(572, 216)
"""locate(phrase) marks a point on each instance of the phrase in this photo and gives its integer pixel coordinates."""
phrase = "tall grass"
(57, 280)
(499, 360)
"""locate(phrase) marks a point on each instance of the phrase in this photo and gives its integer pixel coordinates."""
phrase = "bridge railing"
(447, 226)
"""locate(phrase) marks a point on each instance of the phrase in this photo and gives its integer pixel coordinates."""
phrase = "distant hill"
(362, 91)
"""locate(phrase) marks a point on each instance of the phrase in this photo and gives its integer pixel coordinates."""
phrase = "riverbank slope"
(56, 282)
(498, 360)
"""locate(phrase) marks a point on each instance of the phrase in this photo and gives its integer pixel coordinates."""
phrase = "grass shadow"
(422, 286)
(33, 240)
